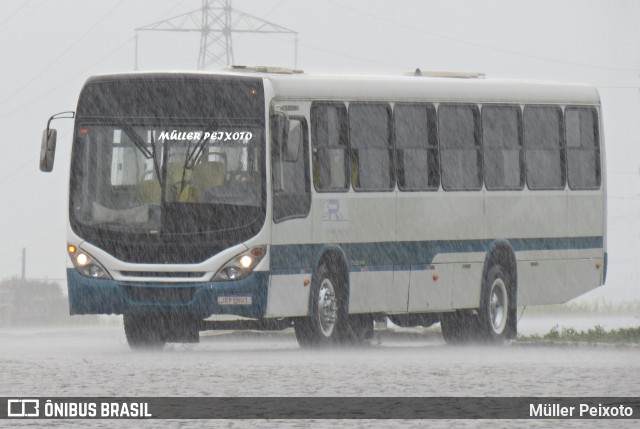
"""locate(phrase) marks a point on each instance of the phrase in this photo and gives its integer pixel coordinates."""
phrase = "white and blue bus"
(325, 203)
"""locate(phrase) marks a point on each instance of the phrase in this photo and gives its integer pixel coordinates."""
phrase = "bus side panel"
(429, 293)
(428, 216)
(526, 214)
(398, 296)
(586, 213)
(290, 266)
(556, 281)
(542, 281)
(446, 222)
(291, 252)
(369, 290)
(288, 295)
(583, 275)
(467, 283)
(364, 225)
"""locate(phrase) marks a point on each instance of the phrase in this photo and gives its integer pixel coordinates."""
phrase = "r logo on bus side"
(331, 210)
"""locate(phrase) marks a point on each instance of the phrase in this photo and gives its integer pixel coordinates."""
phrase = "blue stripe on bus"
(398, 255)
(289, 271)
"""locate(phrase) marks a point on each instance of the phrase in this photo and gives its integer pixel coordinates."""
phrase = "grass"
(600, 306)
(594, 335)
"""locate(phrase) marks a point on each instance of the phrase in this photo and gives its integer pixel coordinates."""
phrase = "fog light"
(82, 259)
(232, 273)
(246, 261)
(95, 271)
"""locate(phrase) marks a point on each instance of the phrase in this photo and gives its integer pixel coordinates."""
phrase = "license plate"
(234, 300)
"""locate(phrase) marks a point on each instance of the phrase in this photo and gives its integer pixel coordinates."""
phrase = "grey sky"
(49, 48)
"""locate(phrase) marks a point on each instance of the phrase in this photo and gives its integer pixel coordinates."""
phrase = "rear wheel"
(496, 306)
(327, 318)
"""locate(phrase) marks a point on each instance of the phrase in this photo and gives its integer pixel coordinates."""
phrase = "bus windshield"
(168, 170)
(167, 179)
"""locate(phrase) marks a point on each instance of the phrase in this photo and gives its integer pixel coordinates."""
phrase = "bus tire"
(144, 331)
(496, 304)
(327, 320)
(459, 327)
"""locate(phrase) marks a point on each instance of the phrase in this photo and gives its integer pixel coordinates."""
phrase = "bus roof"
(397, 88)
(434, 89)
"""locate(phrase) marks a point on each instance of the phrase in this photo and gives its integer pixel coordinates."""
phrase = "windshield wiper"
(137, 140)
(193, 156)
(142, 147)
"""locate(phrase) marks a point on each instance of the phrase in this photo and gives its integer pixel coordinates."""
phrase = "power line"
(59, 57)
(274, 8)
(175, 6)
(630, 173)
(619, 87)
(37, 241)
(82, 72)
(23, 17)
(341, 54)
(623, 198)
(46, 237)
(476, 44)
(66, 82)
(10, 179)
(15, 12)
(8, 176)
(10, 263)
(17, 179)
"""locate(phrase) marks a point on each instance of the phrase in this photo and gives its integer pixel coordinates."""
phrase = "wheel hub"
(327, 307)
(498, 304)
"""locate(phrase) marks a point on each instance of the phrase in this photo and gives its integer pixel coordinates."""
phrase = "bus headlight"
(240, 266)
(86, 264)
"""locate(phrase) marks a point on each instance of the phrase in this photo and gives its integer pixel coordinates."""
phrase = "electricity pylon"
(216, 22)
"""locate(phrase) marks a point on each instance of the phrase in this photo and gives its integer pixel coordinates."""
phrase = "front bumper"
(99, 296)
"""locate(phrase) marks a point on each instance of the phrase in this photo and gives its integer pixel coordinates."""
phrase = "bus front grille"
(159, 295)
(165, 274)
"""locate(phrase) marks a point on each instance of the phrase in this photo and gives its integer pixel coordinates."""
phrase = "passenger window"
(583, 149)
(290, 173)
(416, 147)
(459, 137)
(331, 159)
(544, 154)
(372, 152)
(502, 147)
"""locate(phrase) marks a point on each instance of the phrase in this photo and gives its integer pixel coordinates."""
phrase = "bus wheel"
(459, 327)
(325, 324)
(495, 303)
(144, 330)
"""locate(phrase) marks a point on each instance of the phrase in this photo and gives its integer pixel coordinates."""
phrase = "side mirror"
(48, 145)
(294, 140)
(279, 130)
(279, 135)
(48, 150)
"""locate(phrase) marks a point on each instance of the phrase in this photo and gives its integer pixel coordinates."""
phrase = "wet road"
(96, 361)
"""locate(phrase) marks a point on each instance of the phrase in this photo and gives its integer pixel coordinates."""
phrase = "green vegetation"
(595, 335)
(600, 306)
